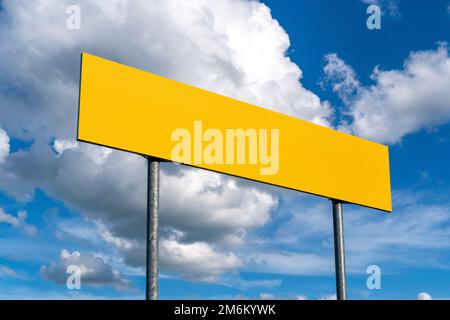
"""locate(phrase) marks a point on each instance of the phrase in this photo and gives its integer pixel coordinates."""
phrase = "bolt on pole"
(339, 250)
(152, 248)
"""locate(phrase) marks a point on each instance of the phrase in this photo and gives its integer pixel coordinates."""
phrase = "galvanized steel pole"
(339, 250)
(152, 248)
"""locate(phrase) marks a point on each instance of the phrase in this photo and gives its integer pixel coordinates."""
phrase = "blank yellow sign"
(129, 109)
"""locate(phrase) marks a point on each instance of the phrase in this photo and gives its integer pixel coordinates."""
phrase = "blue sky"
(85, 205)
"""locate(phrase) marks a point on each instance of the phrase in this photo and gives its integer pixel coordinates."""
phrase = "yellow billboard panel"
(129, 109)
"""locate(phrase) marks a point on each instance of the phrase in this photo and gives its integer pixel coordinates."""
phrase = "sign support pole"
(152, 248)
(339, 250)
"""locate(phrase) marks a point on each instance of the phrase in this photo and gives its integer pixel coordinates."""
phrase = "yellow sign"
(129, 109)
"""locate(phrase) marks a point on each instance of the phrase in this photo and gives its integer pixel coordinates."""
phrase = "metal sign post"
(339, 250)
(152, 248)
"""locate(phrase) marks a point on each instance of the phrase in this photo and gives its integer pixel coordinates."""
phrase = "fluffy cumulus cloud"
(4, 145)
(424, 296)
(94, 270)
(399, 102)
(62, 145)
(198, 260)
(231, 47)
(341, 76)
(17, 222)
(218, 209)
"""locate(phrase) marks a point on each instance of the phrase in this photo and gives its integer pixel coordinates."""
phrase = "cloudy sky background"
(64, 203)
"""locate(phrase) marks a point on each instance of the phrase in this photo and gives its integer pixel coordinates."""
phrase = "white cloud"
(401, 101)
(417, 226)
(94, 270)
(201, 206)
(121, 243)
(271, 296)
(267, 296)
(414, 225)
(424, 296)
(196, 260)
(209, 206)
(341, 76)
(62, 145)
(329, 297)
(4, 145)
(231, 47)
(292, 263)
(18, 222)
(8, 272)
